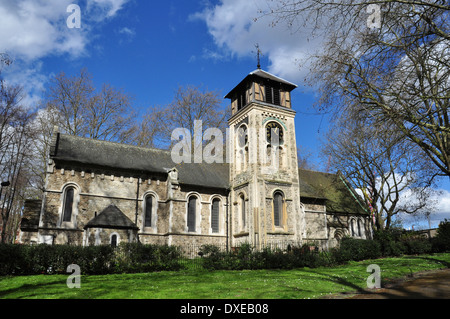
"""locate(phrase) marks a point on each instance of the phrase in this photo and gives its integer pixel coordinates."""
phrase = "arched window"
(352, 225)
(192, 210)
(278, 208)
(114, 240)
(243, 219)
(274, 138)
(148, 211)
(242, 136)
(242, 142)
(215, 208)
(274, 133)
(68, 204)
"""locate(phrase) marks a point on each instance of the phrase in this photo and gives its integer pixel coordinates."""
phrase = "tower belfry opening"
(263, 87)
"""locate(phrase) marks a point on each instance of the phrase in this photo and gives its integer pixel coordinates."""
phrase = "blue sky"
(149, 48)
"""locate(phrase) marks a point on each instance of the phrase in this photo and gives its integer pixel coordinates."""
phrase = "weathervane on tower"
(258, 53)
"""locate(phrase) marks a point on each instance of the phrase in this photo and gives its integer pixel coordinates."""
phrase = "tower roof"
(258, 73)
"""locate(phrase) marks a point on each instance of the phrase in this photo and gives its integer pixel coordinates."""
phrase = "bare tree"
(190, 105)
(376, 160)
(304, 158)
(149, 132)
(15, 141)
(43, 127)
(105, 115)
(395, 70)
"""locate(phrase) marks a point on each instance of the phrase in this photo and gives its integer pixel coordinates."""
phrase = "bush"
(136, 257)
(357, 249)
(441, 243)
(48, 259)
(389, 241)
(241, 258)
(245, 257)
(213, 257)
(13, 259)
(93, 259)
(418, 246)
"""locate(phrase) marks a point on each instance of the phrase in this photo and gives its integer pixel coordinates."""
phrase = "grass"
(200, 284)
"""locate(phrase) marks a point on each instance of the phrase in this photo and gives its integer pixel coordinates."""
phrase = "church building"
(105, 193)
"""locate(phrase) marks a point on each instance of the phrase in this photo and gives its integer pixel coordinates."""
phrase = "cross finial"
(258, 53)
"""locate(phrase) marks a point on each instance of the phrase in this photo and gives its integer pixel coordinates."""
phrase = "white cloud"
(31, 30)
(235, 32)
(440, 211)
(438, 207)
(30, 77)
(127, 31)
(106, 8)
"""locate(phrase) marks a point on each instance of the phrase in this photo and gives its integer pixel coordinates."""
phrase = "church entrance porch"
(111, 227)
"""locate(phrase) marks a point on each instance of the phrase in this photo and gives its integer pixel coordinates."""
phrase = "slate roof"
(258, 73)
(86, 151)
(333, 188)
(111, 217)
(270, 76)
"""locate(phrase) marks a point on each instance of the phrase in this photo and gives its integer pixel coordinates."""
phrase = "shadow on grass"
(28, 290)
(423, 285)
(444, 263)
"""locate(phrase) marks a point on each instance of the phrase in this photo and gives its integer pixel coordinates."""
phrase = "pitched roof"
(86, 151)
(109, 154)
(111, 217)
(333, 188)
(270, 76)
(258, 73)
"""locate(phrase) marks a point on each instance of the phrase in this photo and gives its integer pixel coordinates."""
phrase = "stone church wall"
(96, 191)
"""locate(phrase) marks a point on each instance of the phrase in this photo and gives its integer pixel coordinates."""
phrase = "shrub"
(47, 259)
(441, 243)
(13, 259)
(357, 249)
(418, 246)
(389, 241)
(94, 259)
(136, 257)
(213, 258)
(245, 257)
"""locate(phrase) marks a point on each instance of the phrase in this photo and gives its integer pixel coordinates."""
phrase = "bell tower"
(264, 181)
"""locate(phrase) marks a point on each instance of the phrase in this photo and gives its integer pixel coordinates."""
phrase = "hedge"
(357, 249)
(441, 242)
(53, 259)
(135, 257)
(245, 257)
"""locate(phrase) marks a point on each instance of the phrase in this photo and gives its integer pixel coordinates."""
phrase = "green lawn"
(249, 284)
